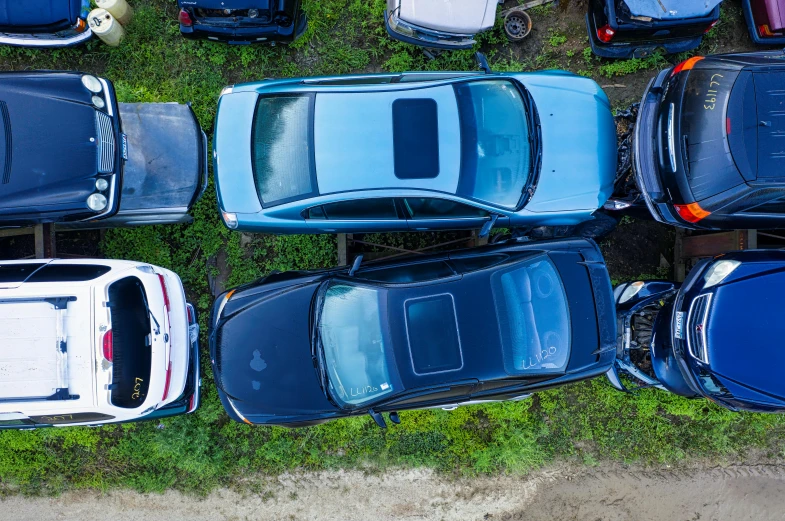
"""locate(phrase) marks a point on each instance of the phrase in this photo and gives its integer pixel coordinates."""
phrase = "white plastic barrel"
(105, 27)
(120, 9)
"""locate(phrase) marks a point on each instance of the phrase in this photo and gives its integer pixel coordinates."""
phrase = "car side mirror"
(356, 265)
(482, 62)
(378, 418)
(486, 228)
(395, 418)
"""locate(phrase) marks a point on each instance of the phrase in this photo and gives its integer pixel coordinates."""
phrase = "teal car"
(413, 151)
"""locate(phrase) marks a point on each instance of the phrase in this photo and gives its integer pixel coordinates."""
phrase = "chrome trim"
(671, 138)
(29, 40)
(105, 143)
(691, 323)
(107, 96)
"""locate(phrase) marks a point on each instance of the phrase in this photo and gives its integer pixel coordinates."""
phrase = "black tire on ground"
(598, 227)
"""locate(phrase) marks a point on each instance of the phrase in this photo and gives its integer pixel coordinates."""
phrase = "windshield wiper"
(157, 329)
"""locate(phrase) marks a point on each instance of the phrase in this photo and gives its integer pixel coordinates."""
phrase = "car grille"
(697, 320)
(106, 143)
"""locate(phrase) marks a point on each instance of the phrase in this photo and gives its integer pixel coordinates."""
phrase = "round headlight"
(101, 184)
(99, 102)
(718, 271)
(92, 83)
(96, 202)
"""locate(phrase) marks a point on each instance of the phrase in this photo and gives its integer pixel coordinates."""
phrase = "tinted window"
(419, 272)
(17, 272)
(777, 206)
(362, 209)
(13, 423)
(281, 149)
(69, 272)
(431, 208)
(451, 395)
(317, 212)
(131, 345)
(81, 417)
(477, 262)
(415, 138)
(432, 330)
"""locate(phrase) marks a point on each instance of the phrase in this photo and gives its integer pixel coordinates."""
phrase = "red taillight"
(108, 345)
(764, 30)
(711, 25)
(168, 381)
(605, 33)
(192, 402)
(166, 293)
(185, 18)
(686, 65)
(692, 212)
(190, 314)
(727, 126)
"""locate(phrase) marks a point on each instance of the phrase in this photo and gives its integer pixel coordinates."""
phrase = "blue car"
(44, 23)
(717, 336)
(413, 151)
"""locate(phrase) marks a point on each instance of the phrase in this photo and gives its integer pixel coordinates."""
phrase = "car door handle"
(449, 407)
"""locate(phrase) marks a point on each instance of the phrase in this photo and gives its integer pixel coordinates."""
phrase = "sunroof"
(415, 138)
(432, 329)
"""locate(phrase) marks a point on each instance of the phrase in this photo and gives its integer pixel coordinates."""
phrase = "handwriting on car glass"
(711, 94)
(540, 359)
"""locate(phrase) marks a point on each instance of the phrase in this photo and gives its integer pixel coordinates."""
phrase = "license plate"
(679, 329)
(642, 52)
(124, 146)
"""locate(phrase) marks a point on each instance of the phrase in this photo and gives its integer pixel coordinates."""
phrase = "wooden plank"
(39, 241)
(698, 246)
(342, 253)
(50, 249)
(679, 267)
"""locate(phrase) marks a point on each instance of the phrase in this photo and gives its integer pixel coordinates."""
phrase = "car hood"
(33, 13)
(263, 355)
(746, 332)
(232, 165)
(578, 143)
(226, 4)
(452, 16)
(52, 158)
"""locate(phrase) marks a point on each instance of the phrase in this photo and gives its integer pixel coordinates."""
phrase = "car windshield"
(495, 142)
(357, 355)
(534, 319)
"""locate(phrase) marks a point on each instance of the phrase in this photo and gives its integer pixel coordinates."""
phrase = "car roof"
(355, 147)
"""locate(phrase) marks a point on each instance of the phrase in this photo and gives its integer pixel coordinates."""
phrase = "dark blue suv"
(719, 335)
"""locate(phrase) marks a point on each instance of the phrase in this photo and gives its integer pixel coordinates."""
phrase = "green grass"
(588, 422)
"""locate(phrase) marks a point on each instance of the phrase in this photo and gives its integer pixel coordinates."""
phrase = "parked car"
(706, 151)
(413, 151)
(765, 21)
(716, 336)
(71, 154)
(242, 21)
(94, 341)
(481, 325)
(44, 23)
(637, 28)
(439, 25)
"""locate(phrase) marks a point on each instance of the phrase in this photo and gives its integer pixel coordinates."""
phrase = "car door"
(370, 214)
(445, 397)
(434, 213)
(407, 273)
(768, 214)
(15, 420)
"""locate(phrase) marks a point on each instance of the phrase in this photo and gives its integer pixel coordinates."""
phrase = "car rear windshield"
(534, 319)
(281, 149)
(495, 142)
(131, 343)
(357, 354)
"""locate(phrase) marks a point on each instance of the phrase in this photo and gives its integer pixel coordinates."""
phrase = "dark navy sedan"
(486, 324)
(718, 335)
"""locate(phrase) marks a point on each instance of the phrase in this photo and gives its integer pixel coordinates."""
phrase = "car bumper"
(246, 35)
(45, 39)
(638, 49)
(430, 39)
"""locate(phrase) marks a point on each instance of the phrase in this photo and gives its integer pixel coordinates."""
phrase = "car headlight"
(96, 202)
(227, 90)
(101, 184)
(99, 102)
(630, 291)
(92, 83)
(719, 271)
(400, 27)
(230, 219)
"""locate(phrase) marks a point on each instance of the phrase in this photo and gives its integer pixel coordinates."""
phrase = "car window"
(415, 138)
(69, 272)
(433, 208)
(361, 209)
(14, 423)
(441, 395)
(420, 272)
(777, 206)
(357, 80)
(477, 262)
(80, 417)
(17, 272)
(409, 77)
(432, 332)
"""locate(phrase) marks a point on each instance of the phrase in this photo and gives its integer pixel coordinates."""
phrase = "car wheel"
(598, 227)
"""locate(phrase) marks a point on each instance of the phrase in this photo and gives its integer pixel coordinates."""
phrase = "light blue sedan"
(413, 151)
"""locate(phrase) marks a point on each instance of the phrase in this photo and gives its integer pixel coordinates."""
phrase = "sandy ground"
(738, 493)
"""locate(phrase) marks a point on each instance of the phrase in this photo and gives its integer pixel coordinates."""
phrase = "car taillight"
(80, 26)
(108, 345)
(185, 18)
(605, 33)
(163, 288)
(686, 65)
(192, 402)
(711, 25)
(168, 381)
(692, 212)
(727, 126)
(190, 314)
(764, 30)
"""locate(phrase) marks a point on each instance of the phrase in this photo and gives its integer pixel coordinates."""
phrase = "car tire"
(597, 228)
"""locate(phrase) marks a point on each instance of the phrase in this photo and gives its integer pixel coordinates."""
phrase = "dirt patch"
(636, 247)
(605, 493)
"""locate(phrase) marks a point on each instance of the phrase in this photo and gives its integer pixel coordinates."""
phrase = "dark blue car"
(487, 324)
(717, 336)
(44, 23)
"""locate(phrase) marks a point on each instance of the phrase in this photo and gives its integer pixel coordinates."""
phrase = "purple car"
(766, 21)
